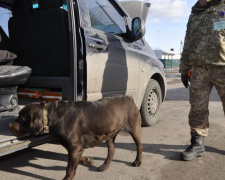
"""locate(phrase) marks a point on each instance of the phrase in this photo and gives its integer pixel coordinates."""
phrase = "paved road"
(162, 145)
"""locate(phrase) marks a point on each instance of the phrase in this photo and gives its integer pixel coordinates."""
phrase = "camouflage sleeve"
(184, 60)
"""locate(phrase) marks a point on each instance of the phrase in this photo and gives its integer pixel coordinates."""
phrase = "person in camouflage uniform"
(204, 55)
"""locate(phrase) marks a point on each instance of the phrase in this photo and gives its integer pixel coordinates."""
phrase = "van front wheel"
(151, 104)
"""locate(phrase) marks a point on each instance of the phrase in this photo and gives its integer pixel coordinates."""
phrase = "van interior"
(39, 34)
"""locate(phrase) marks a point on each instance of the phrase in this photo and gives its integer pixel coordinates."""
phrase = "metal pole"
(181, 43)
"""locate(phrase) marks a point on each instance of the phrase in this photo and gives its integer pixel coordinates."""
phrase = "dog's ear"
(14, 127)
(36, 123)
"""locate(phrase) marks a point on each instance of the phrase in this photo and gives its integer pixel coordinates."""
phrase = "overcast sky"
(166, 23)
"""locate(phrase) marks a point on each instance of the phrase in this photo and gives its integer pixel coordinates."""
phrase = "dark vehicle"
(86, 50)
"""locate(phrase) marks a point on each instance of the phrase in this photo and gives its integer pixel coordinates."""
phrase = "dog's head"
(30, 121)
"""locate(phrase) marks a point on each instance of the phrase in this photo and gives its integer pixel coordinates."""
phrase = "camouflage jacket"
(203, 45)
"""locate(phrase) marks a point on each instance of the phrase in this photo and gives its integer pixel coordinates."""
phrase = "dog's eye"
(21, 120)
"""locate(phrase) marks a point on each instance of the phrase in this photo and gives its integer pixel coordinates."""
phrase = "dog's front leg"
(74, 154)
(111, 152)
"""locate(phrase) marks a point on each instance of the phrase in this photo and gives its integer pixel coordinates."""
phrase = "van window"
(5, 14)
(105, 17)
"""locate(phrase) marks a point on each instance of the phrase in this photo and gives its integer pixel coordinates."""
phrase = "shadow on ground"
(13, 162)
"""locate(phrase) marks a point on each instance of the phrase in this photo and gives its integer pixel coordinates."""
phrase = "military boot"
(196, 149)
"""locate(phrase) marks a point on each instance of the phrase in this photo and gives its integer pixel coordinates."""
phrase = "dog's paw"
(86, 160)
(136, 163)
(103, 168)
(89, 160)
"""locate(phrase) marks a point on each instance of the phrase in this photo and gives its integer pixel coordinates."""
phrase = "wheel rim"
(152, 102)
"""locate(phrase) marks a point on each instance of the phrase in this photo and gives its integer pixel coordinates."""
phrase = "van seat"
(4, 40)
(41, 38)
(52, 38)
(21, 33)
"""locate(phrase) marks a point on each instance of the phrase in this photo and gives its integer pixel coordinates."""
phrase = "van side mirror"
(138, 28)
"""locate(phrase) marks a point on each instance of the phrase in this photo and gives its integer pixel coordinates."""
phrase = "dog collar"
(45, 119)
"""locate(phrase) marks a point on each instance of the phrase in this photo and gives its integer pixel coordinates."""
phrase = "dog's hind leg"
(111, 152)
(135, 132)
(137, 141)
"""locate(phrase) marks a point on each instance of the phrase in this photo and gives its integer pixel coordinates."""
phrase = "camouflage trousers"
(202, 81)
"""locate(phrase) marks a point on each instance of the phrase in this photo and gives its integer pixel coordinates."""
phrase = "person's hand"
(185, 79)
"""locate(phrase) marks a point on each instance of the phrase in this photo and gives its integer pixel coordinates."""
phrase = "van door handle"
(98, 46)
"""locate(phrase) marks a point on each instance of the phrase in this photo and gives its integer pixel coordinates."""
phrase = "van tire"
(151, 104)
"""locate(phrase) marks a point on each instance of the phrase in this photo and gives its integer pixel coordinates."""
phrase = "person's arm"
(184, 60)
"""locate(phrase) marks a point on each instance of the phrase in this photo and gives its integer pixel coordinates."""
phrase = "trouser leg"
(218, 79)
(200, 89)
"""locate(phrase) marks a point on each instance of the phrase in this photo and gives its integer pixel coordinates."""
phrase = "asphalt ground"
(162, 145)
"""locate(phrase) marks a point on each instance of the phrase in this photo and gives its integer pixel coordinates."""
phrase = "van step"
(15, 145)
(6, 136)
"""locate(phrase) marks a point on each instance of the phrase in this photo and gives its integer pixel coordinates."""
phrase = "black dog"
(82, 125)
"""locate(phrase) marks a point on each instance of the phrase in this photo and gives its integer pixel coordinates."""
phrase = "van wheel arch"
(161, 82)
